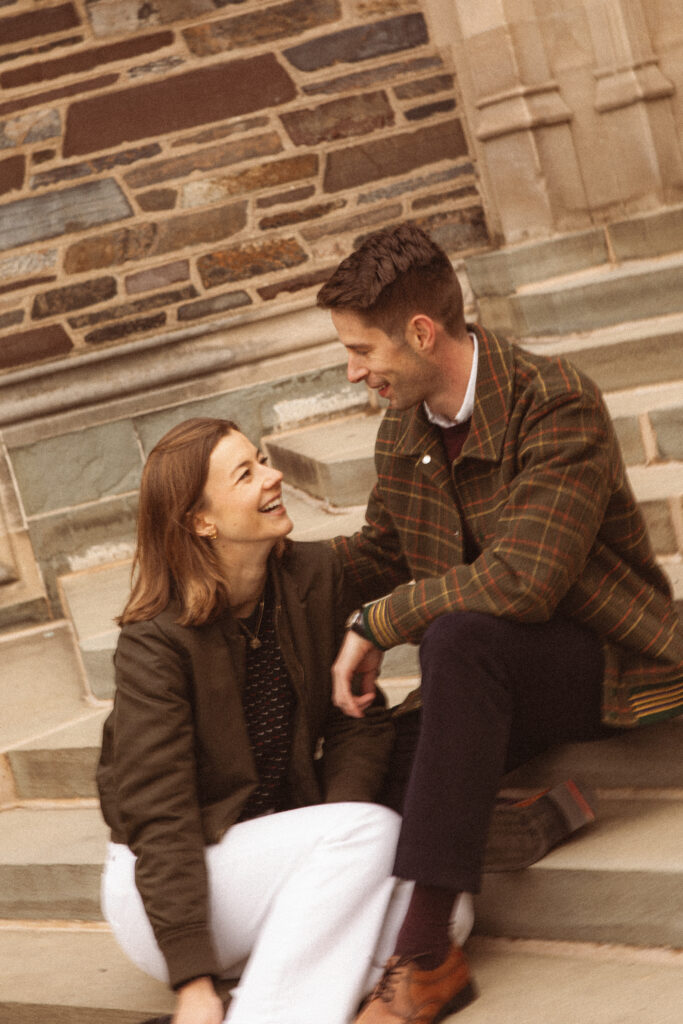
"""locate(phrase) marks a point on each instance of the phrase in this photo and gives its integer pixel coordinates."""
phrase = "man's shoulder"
(553, 378)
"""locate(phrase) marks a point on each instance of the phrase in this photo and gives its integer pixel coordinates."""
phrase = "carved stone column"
(520, 122)
(633, 97)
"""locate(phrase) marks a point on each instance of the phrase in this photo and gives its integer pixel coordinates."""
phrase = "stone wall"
(168, 165)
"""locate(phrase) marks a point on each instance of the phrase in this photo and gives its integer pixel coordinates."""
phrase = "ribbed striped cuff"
(377, 626)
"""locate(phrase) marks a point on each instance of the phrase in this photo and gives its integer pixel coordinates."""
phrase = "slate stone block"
(275, 172)
(27, 282)
(130, 308)
(149, 239)
(339, 119)
(43, 22)
(204, 160)
(182, 101)
(210, 307)
(668, 427)
(11, 319)
(60, 213)
(157, 199)
(74, 296)
(429, 109)
(295, 284)
(27, 263)
(114, 332)
(31, 346)
(157, 277)
(41, 99)
(424, 87)
(275, 22)
(299, 216)
(35, 127)
(372, 76)
(362, 42)
(95, 166)
(83, 60)
(116, 17)
(391, 157)
(75, 468)
(250, 260)
(294, 195)
(12, 173)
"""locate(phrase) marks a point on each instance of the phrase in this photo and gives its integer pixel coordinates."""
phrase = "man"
(503, 538)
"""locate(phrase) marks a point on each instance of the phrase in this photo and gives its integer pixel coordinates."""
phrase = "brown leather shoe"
(408, 995)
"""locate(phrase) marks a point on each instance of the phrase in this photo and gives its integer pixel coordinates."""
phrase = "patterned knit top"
(269, 702)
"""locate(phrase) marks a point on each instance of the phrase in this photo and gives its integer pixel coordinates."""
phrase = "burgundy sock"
(424, 932)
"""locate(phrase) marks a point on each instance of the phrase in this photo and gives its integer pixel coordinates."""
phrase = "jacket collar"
(492, 403)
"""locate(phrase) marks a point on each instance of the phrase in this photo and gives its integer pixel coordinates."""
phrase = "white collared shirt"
(467, 407)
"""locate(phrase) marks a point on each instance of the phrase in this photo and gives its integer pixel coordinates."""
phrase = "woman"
(238, 798)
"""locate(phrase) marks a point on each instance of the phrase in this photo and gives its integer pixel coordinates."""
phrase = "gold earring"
(213, 534)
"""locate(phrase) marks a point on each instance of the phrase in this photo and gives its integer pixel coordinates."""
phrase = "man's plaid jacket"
(541, 487)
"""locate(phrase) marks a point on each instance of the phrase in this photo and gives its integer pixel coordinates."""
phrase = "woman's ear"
(203, 528)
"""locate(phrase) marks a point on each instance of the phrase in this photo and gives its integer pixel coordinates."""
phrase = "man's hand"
(357, 657)
(198, 1004)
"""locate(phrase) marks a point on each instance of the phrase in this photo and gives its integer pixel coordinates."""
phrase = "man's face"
(391, 368)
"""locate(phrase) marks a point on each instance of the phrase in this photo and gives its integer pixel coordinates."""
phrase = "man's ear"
(421, 333)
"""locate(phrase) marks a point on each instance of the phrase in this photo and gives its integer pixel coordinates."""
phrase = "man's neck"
(455, 401)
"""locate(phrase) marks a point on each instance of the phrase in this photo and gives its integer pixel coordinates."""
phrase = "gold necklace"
(254, 641)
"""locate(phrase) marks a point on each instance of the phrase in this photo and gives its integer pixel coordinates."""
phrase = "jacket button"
(457, 533)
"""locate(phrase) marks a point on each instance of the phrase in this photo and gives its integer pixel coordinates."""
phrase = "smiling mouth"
(272, 506)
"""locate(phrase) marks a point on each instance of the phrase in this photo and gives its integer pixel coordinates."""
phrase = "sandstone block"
(210, 307)
(299, 216)
(30, 24)
(424, 87)
(95, 166)
(27, 263)
(373, 76)
(151, 239)
(74, 468)
(652, 235)
(35, 126)
(294, 195)
(362, 42)
(131, 308)
(339, 119)
(668, 427)
(660, 528)
(43, 98)
(12, 173)
(59, 213)
(182, 101)
(628, 432)
(124, 329)
(391, 157)
(74, 296)
(30, 346)
(84, 60)
(429, 109)
(204, 160)
(157, 199)
(459, 229)
(116, 17)
(157, 277)
(276, 172)
(250, 260)
(11, 319)
(275, 22)
(295, 284)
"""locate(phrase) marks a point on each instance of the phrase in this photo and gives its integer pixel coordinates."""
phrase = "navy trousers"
(494, 694)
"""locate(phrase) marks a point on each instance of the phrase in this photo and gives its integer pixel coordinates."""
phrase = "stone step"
(50, 863)
(590, 299)
(518, 982)
(60, 765)
(62, 974)
(332, 460)
(618, 880)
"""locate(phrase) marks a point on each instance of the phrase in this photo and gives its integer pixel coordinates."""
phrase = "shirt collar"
(467, 407)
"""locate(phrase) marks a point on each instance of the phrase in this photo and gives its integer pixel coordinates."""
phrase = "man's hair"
(394, 274)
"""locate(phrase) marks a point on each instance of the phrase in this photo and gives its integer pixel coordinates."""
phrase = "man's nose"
(355, 371)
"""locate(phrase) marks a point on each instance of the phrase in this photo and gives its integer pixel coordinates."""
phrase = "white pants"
(306, 897)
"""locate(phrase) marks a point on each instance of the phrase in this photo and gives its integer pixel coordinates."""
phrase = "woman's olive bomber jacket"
(176, 766)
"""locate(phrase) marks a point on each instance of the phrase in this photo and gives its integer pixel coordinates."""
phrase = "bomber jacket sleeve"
(547, 523)
(157, 796)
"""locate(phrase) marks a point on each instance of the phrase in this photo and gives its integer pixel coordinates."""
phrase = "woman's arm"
(154, 772)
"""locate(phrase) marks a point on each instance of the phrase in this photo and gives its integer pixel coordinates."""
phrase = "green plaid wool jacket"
(541, 487)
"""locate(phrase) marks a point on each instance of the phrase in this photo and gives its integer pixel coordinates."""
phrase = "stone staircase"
(592, 933)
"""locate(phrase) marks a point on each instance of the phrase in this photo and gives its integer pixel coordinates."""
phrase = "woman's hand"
(198, 1003)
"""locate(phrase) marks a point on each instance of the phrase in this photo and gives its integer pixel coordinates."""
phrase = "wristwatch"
(355, 622)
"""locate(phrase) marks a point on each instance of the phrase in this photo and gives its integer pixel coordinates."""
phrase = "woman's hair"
(171, 559)
(394, 274)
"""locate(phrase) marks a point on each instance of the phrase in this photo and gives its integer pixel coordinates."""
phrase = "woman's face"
(242, 496)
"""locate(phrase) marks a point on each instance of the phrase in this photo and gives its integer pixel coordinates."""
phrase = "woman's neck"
(245, 583)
